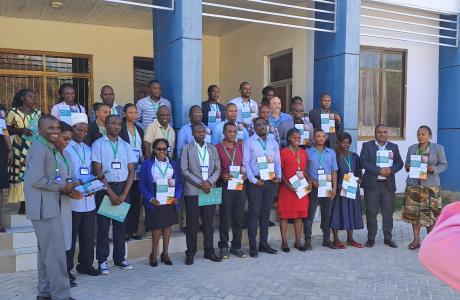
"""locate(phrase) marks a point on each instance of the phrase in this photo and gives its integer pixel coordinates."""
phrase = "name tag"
(84, 171)
(58, 178)
(205, 172)
(246, 111)
(116, 165)
(169, 149)
(137, 153)
(68, 180)
(212, 116)
(235, 171)
(321, 171)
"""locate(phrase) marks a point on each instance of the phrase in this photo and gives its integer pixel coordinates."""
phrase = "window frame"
(284, 82)
(383, 50)
(50, 74)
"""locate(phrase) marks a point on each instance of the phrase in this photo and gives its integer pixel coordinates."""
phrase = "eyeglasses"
(162, 149)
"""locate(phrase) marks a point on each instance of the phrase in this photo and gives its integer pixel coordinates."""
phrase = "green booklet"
(214, 197)
(115, 212)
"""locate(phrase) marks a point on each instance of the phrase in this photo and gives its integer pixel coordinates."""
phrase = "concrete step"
(19, 237)
(15, 221)
(25, 258)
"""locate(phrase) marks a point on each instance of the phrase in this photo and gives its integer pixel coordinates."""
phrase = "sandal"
(413, 246)
(354, 243)
(339, 245)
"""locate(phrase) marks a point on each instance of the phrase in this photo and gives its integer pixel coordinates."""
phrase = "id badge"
(68, 180)
(205, 172)
(84, 171)
(116, 165)
(235, 171)
(137, 153)
(169, 149)
(58, 178)
(321, 171)
(299, 174)
(212, 116)
(246, 112)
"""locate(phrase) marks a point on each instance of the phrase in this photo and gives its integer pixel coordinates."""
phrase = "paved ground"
(378, 273)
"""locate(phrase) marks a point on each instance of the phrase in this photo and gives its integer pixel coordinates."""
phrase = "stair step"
(17, 260)
(15, 220)
(19, 237)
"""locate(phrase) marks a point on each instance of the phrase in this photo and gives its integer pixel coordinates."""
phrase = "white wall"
(421, 92)
(244, 53)
(452, 6)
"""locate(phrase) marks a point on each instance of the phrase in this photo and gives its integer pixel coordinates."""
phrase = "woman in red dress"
(293, 162)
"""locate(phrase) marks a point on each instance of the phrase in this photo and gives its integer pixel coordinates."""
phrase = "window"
(143, 73)
(44, 72)
(381, 91)
(280, 66)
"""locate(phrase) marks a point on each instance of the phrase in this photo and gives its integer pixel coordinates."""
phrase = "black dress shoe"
(390, 243)
(165, 261)
(213, 257)
(189, 260)
(88, 271)
(267, 249)
(73, 284)
(370, 243)
(253, 252)
(136, 237)
(300, 248)
(307, 245)
(43, 298)
(271, 224)
(285, 249)
(329, 244)
(153, 263)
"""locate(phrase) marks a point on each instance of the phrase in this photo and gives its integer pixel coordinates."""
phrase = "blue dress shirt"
(327, 158)
(184, 137)
(218, 133)
(252, 149)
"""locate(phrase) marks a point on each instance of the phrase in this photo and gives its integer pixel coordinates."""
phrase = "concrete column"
(449, 112)
(337, 64)
(178, 55)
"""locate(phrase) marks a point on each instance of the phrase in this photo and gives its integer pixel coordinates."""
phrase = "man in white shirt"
(247, 108)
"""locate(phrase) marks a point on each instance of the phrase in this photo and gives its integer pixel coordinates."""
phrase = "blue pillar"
(448, 113)
(177, 56)
(337, 64)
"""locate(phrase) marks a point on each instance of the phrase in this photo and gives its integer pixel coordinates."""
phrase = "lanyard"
(214, 107)
(66, 162)
(348, 162)
(79, 156)
(29, 118)
(114, 149)
(166, 136)
(134, 136)
(382, 148)
(296, 157)
(320, 157)
(228, 155)
(263, 145)
(202, 157)
(420, 151)
(114, 110)
(155, 105)
(162, 172)
(48, 145)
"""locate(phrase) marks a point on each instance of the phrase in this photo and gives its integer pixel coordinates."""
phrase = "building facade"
(388, 61)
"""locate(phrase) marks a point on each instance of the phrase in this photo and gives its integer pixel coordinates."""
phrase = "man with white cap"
(84, 210)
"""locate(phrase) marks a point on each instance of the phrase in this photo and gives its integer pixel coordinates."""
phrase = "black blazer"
(315, 118)
(206, 107)
(125, 136)
(93, 134)
(368, 160)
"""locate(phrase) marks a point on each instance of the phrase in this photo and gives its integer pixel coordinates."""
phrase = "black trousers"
(193, 211)
(260, 200)
(83, 226)
(132, 219)
(379, 198)
(103, 226)
(326, 207)
(231, 208)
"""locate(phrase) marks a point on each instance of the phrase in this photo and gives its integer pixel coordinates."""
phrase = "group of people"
(226, 154)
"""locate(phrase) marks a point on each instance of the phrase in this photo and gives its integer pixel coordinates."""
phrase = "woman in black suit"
(134, 135)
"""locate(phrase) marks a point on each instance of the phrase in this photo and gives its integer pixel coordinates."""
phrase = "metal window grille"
(163, 4)
(408, 24)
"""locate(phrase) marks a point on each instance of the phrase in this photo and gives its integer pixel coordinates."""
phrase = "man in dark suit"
(381, 161)
(315, 119)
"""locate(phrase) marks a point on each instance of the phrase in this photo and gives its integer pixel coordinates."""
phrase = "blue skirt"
(346, 214)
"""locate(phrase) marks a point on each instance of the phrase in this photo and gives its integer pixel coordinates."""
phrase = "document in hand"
(328, 123)
(33, 126)
(300, 185)
(90, 187)
(115, 212)
(418, 169)
(214, 197)
(349, 186)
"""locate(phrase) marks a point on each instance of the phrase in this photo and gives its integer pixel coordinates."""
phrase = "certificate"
(162, 191)
(384, 158)
(214, 197)
(328, 123)
(349, 186)
(115, 212)
(266, 170)
(418, 169)
(300, 185)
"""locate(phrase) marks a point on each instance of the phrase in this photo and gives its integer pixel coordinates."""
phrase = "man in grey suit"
(381, 161)
(42, 188)
(200, 165)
